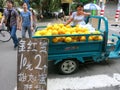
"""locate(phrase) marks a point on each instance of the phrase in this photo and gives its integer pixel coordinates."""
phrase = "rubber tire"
(68, 61)
(7, 36)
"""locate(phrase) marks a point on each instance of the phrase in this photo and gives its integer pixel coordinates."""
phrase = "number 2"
(39, 63)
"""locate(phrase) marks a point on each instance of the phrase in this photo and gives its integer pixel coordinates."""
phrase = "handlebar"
(115, 25)
(116, 36)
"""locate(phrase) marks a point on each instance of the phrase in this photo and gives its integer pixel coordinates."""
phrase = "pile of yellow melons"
(60, 29)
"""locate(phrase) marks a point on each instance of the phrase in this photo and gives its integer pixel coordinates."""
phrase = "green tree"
(54, 5)
(48, 5)
(18, 3)
(42, 5)
(2, 3)
(83, 1)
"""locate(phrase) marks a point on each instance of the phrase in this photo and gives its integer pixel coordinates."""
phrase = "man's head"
(10, 3)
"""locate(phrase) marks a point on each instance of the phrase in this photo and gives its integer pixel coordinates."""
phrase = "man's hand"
(31, 28)
(19, 28)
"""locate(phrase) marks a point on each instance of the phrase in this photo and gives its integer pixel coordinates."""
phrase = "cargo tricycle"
(66, 56)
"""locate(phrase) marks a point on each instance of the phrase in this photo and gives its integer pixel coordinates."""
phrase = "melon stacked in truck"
(60, 29)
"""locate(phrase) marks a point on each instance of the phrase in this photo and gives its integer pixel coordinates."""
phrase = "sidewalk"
(110, 10)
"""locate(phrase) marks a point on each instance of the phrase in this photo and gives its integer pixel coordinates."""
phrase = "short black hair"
(24, 3)
(79, 5)
(10, 1)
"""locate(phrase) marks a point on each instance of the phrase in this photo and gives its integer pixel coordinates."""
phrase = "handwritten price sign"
(32, 64)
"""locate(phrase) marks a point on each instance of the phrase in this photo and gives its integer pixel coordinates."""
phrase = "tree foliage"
(2, 3)
(47, 5)
(83, 1)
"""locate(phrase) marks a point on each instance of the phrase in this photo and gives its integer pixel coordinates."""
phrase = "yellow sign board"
(66, 1)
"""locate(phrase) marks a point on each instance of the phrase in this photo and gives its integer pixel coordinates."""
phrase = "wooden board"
(32, 64)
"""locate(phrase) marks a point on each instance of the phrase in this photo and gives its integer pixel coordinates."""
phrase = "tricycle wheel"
(68, 66)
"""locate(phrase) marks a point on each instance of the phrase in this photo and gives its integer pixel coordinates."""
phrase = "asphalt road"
(8, 65)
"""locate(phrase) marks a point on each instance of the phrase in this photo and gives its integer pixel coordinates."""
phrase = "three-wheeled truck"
(66, 56)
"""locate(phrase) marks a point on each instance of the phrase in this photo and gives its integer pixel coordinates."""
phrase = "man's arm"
(17, 18)
(35, 17)
(18, 22)
(31, 19)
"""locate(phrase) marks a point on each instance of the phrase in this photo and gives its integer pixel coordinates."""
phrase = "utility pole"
(117, 11)
(102, 5)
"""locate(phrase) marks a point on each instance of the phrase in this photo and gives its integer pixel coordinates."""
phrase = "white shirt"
(77, 19)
